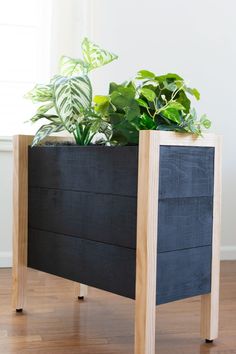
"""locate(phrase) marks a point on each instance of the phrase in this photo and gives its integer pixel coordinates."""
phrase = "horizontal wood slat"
(98, 214)
(99, 217)
(186, 171)
(183, 273)
(184, 223)
(180, 274)
(100, 265)
(98, 169)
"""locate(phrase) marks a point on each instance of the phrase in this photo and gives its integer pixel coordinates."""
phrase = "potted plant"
(139, 167)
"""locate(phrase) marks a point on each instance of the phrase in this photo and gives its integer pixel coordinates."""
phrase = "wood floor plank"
(55, 322)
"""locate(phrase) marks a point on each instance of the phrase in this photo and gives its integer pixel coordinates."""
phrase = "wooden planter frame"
(147, 220)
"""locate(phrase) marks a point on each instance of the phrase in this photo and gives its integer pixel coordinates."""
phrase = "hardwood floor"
(55, 322)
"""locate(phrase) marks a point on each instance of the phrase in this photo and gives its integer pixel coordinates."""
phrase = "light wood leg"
(81, 291)
(20, 218)
(146, 254)
(210, 302)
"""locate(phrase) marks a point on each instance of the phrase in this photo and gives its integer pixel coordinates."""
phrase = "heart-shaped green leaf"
(148, 94)
(145, 75)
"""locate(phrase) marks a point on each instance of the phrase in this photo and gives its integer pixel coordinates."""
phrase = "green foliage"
(150, 102)
(72, 97)
(68, 98)
(40, 93)
(83, 134)
(93, 57)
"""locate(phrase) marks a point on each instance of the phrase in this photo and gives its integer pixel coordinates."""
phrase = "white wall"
(193, 38)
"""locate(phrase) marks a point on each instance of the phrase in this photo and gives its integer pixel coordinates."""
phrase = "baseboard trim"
(6, 143)
(228, 253)
(5, 259)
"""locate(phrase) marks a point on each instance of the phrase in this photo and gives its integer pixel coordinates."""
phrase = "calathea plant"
(149, 102)
(67, 99)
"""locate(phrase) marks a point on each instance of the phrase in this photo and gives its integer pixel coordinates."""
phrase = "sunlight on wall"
(24, 59)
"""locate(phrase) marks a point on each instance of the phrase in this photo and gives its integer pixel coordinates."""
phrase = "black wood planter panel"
(180, 274)
(186, 171)
(183, 273)
(99, 217)
(96, 264)
(82, 217)
(184, 223)
(98, 169)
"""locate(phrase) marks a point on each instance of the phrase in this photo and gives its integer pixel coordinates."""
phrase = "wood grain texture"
(20, 218)
(186, 171)
(210, 302)
(148, 314)
(183, 273)
(184, 223)
(96, 169)
(92, 216)
(97, 264)
(81, 290)
(180, 274)
(103, 324)
(185, 139)
(20, 215)
(147, 238)
(185, 212)
(146, 250)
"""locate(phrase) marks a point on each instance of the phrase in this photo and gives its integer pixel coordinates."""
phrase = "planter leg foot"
(19, 310)
(81, 291)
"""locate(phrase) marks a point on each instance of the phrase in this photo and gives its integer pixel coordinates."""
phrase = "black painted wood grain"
(94, 216)
(82, 217)
(181, 274)
(186, 171)
(96, 264)
(109, 217)
(98, 169)
(184, 223)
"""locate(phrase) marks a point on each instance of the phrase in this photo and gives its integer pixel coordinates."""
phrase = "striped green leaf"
(46, 130)
(40, 93)
(95, 56)
(73, 95)
(70, 66)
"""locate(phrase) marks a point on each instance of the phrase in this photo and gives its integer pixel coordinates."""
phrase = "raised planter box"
(94, 214)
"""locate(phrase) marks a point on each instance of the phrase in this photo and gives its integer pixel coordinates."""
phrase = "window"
(25, 32)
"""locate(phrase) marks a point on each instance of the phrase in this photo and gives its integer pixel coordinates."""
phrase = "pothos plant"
(148, 102)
